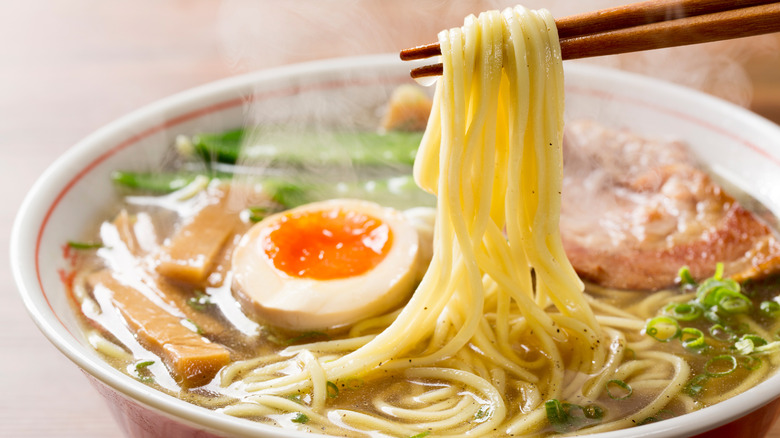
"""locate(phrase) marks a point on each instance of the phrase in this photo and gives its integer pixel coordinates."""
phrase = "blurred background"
(67, 67)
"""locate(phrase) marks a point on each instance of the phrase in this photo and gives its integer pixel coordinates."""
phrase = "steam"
(256, 35)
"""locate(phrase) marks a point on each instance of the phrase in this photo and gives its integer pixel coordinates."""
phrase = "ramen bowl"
(72, 196)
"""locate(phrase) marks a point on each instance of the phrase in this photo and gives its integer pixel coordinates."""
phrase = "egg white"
(305, 304)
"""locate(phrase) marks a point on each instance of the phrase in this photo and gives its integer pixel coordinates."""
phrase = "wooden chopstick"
(707, 26)
(643, 13)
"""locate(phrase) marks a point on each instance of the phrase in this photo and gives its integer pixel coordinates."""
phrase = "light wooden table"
(68, 67)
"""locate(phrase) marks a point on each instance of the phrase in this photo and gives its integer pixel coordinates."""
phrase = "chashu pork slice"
(635, 210)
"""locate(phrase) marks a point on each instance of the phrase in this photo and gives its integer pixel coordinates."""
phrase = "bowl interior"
(75, 193)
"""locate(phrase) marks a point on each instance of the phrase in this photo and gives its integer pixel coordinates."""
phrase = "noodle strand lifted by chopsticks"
(499, 276)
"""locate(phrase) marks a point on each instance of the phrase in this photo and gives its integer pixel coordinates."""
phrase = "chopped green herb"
(354, 383)
(692, 338)
(722, 333)
(200, 301)
(696, 385)
(332, 389)
(295, 397)
(682, 311)
(155, 182)
(770, 308)
(566, 417)
(421, 435)
(750, 363)
(288, 194)
(684, 274)
(662, 328)
(143, 365)
(747, 343)
(190, 324)
(618, 389)
(300, 418)
(84, 245)
(141, 371)
(258, 213)
(719, 366)
(482, 413)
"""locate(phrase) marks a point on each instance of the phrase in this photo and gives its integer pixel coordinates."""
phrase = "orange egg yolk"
(327, 244)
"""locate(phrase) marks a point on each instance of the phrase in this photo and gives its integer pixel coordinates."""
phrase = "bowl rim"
(32, 209)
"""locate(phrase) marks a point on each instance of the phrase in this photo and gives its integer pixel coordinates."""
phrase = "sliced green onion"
(649, 420)
(140, 366)
(658, 417)
(300, 418)
(696, 385)
(682, 311)
(713, 317)
(565, 417)
(692, 338)
(734, 302)
(84, 245)
(142, 372)
(718, 271)
(662, 328)
(421, 435)
(199, 301)
(721, 333)
(295, 397)
(332, 389)
(354, 383)
(260, 212)
(709, 292)
(751, 363)
(770, 308)
(768, 348)
(618, 389)
(720, 366)
(748, 343)
(684, 274)
(593, 412)
(558, 418)
(190, 324)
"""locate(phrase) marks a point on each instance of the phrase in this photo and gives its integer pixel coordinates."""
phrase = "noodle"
(492, 155)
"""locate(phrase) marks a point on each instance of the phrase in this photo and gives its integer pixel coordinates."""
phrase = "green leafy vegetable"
(155, 182)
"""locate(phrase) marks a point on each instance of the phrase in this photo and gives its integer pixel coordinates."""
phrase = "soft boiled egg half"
(326, 264)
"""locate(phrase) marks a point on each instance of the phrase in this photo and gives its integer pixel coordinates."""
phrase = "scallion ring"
(695, 386)
(751, 363)
(662, 328)
(618, 389)
(720, 366)
(692, 338)
(683, 311)
(331, 389)
(770, 308)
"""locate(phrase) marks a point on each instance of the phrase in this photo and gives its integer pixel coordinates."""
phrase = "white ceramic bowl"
(73, 195)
